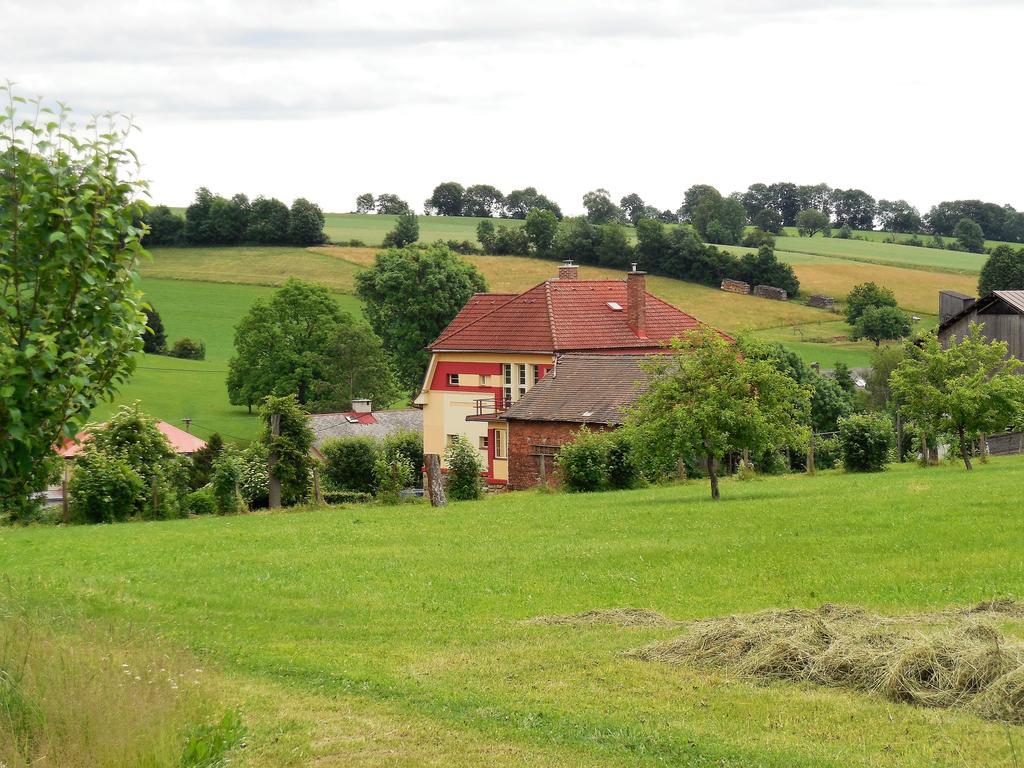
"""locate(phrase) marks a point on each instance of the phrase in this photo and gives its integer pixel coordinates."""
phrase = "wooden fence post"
(64, 501)
(435, 480)
(274, 482)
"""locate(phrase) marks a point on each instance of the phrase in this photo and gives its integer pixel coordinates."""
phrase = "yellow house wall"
(445, 411)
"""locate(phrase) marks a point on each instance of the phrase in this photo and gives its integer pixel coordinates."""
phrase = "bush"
(582, 463)
(756, 237)
(154, 339)
(844, 233)
(254, 477)
(864, 442)
(410, 445)
(224, 483)
(392, 474)
(622, 467)
(349, 463)
(464, 470)
(188, 349)
(346, 497)
(200, 502)
(103, 488)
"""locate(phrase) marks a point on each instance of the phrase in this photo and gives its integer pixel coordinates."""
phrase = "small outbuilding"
(582, 390)
(1001, 314)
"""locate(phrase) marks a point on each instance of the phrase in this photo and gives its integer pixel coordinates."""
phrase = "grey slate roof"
(330, 425)
(583, 389)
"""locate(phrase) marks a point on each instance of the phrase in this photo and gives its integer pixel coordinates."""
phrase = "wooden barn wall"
(1009, 328)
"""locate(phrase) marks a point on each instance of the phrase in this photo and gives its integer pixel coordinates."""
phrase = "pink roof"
(563, 316)
(180, 440)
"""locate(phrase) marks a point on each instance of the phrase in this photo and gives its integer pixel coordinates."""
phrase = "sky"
(326, 100)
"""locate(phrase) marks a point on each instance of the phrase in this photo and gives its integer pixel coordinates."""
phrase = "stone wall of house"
(523, 436)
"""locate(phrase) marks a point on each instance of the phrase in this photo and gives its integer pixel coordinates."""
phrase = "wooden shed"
(1001, 314)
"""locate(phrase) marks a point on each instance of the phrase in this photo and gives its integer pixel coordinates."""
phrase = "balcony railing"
(490, 406)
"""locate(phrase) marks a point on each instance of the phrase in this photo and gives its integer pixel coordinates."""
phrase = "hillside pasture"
(402, 635)
(371, 228)
(874, 252)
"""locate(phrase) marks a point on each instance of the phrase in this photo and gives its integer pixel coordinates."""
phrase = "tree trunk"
(965, 451)
(713, 476)
(274, 483)
(435, 480)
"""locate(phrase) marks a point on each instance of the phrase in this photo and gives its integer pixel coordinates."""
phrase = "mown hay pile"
(619, 617)
(945, 659)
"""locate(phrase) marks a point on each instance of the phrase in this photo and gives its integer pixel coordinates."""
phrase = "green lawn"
(371, 228)
(396, 636)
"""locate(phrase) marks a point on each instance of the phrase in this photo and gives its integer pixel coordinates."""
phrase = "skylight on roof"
(588, 413)
(614, 305)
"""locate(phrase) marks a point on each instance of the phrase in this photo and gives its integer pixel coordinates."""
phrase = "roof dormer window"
(615, 306)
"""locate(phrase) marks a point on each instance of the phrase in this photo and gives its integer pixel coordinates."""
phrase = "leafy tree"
(164, 226)
(854, 208)
(519, 202)
(865, 440)
(406, 231)
(541, 227)
(227, 220)
(600, 208)
(705, 401)
(197, 218)
(365, 203)
(788, 200)
(409, 445)
(583, 463)
(510, 241)
(693, 197)
(72, 318)
(464, 468)
(634, 208)
(349, 462)
(764, 269)
(882, 324)
(898, 216)
(391, 474)
(306, 223)
(843, 378)
(446, 200)
(613, 247)
(768, 220)
(103, 488)
(576, 239)
(268, 222)
(294, 466)
(866, 295)
(485, 235)
(810, 221)
(757, 200)
(719, 219)
(1003, 271)
(411, 295)
(970, 388)
(391, 205)
(969, 235)
(301, 343)
(202, 460)
(482, 200)
(154, 339)
(884, 360)
(226, 474)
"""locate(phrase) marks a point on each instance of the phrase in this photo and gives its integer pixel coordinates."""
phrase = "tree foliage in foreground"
(707, 400)
(965, 391)
(301, 343)
(294, 464)
(71, 311)
(410, 295)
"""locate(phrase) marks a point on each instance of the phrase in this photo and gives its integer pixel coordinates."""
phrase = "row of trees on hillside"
(450, 198)
(216, 220)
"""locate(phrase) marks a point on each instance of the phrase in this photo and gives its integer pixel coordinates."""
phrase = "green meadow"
(374, 636)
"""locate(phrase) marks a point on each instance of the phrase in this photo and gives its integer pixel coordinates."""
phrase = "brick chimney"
(568, 271)
(362, 406)
(636, 301)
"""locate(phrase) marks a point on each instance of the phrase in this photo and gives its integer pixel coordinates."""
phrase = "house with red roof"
(182, 442)
(500, 345)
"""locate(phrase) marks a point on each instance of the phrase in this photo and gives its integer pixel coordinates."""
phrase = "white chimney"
(362, 405)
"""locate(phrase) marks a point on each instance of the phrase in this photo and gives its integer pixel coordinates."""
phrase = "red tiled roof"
(562, 316)
(180, 440)
(479, 304)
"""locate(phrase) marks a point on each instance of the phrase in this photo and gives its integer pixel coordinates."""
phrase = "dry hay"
(619, 617)
(948, 658)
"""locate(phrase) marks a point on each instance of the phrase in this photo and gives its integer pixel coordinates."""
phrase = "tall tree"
(482, 200)
(705, 401)
(406, 231)
(445, 200)
(197, 218)
(1003, 271)
(268, 222)
(541, 227)
(634, 207)
(600, 207)
(306, 223)
(365, 203)
(880, 324)
(391, 205)
(969, 235)
(72, 318)
(898, 216)
(971, 388)
(519, 202)
(410, 296)
(810, 221)
(294, 465)
(301, 343)
(865, 295)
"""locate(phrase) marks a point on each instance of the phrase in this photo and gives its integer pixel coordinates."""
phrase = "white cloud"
(906, 99)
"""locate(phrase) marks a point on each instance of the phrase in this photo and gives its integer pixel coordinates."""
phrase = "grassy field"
(397, 635)
(884, 253)
(372, 228)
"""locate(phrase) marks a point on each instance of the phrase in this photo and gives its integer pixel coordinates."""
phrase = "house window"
(453, 439)
(485, 380)
(483, 443)
(506, 372)
(499, 448)
(536, 373)
(522, 378)
(453, 379)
